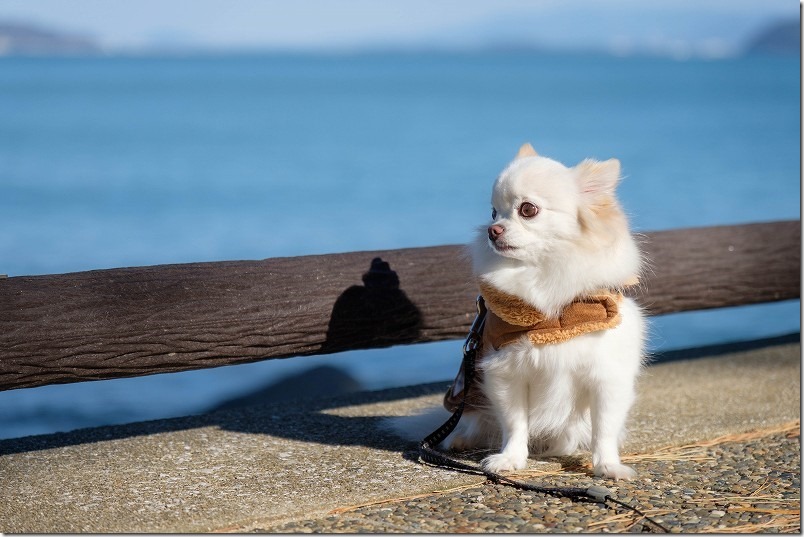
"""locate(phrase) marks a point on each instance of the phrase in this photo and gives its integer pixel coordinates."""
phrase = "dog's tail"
(415, 427)
(476, 430)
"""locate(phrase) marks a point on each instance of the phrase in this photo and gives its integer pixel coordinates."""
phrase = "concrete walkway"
(263, 467)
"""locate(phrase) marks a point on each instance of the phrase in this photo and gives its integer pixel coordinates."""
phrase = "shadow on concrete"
(312, 421)
(305, 420)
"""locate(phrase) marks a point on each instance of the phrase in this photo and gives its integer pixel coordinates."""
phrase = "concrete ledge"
(232, 470)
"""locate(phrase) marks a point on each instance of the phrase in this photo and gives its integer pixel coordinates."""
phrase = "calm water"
(131, 161)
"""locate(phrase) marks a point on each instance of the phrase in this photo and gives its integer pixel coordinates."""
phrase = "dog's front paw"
(615, 471)
(503, 462)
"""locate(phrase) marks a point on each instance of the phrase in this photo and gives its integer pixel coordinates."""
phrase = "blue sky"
(222, 24)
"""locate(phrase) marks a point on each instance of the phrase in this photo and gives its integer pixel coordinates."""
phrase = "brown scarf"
(510, 318)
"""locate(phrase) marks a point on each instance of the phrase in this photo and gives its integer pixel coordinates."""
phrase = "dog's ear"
(526, 151)
(597, 180)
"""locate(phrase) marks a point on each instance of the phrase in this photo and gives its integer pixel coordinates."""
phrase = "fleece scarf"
(510, 318)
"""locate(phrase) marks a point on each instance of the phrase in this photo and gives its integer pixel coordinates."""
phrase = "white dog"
(562, 347)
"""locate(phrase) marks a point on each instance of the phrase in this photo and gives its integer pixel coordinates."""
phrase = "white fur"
(555, 399)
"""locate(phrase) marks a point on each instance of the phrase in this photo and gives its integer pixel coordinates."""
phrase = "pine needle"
(784, 428)
(781, 524)
(766, 510)
(628, 518)
(697, 451)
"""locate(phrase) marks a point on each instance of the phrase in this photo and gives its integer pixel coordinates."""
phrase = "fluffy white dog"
(562, 346)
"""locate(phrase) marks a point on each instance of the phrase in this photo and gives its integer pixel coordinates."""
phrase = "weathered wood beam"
(721, 266)
(138, 321)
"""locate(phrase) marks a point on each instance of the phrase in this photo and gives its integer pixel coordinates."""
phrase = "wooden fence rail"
(139, 321)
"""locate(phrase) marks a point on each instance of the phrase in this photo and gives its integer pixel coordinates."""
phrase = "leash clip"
(474, 339)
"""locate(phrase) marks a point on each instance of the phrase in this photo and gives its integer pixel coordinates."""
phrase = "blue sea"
(128, 161)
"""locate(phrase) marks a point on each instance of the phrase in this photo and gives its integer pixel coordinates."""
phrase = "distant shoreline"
(212, 54)
(19, 39)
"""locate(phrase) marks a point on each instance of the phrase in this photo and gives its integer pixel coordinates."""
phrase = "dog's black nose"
(495, 231)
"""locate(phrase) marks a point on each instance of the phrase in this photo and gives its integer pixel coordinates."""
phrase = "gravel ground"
(746, 483)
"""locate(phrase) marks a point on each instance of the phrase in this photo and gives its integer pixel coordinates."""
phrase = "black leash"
(430, 455)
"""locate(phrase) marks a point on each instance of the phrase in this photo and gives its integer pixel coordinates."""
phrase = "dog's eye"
(493, 213)
(528, 210)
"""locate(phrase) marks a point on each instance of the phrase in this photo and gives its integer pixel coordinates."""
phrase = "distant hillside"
(20, 39)
(780, 38)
